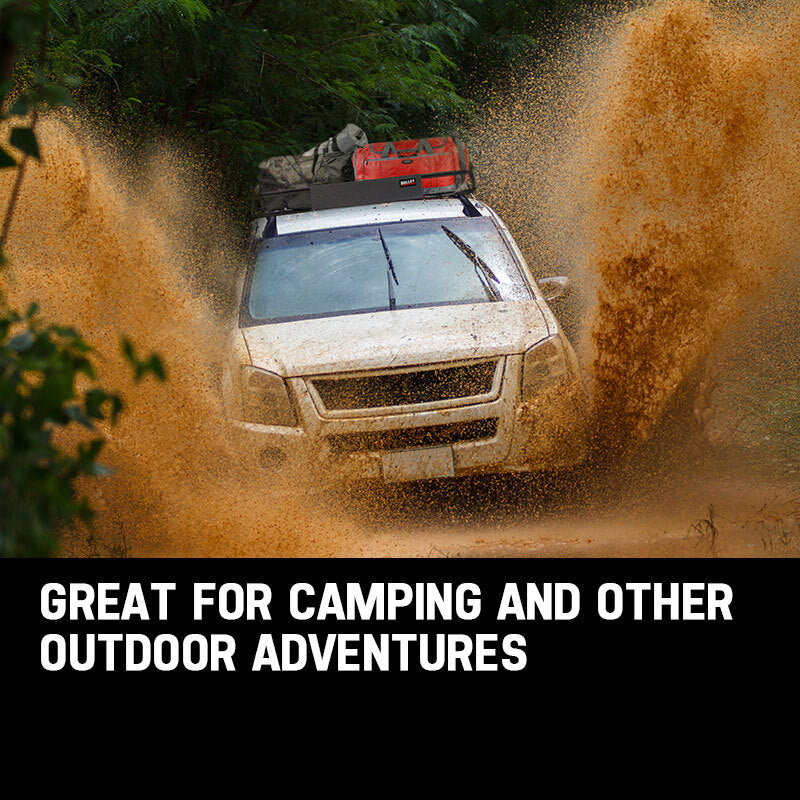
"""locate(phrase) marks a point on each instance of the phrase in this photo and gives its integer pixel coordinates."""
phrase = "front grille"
(429, 385)
(405, 438)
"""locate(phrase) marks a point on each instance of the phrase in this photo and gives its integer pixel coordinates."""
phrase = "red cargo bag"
(445, 158)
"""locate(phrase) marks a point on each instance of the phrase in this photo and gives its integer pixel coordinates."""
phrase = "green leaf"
(25, 139)
(127, 349)
(142, 367)
(20, 108)
(89, 451)
(55, 95)
(77, 414)
(156, 366)
(116, 407)
(6, 160)
(20, 342)
(94, 400)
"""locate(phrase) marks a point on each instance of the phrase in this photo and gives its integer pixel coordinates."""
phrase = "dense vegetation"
(251, 78)
(239, 80)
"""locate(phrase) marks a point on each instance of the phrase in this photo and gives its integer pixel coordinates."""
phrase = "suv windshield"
(344, 271)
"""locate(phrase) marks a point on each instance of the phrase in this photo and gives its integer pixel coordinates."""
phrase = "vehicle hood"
(399, 338)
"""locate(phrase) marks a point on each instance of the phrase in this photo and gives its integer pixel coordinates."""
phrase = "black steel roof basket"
(318, 196)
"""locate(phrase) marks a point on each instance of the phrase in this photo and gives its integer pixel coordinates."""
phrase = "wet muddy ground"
(717, 519)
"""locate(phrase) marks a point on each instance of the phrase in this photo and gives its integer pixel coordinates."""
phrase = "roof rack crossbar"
(319, 196)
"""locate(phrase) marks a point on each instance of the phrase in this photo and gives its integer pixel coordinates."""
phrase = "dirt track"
(514, 517)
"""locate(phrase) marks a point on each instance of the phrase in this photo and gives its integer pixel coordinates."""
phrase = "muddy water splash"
(110, 261)
(665, 156)
(693, 177)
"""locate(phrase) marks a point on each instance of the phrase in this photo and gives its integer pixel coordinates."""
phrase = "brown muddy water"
(655, 159)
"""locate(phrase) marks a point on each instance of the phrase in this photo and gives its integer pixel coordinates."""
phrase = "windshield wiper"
(390, 273)
(485, 275)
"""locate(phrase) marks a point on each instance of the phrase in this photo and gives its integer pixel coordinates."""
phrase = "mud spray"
(662, 145)
(110, 261)
(655, 157)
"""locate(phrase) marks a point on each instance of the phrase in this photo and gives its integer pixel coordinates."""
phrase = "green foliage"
(24, 25)
(509, 35)
(24, 139)
(142, 366)
(254, 79)
(41, 371)
(48, 392)
(47, 379)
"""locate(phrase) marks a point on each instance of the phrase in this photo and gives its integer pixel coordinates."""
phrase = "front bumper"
(498, 434)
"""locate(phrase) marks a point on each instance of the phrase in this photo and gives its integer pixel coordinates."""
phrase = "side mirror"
(555, 287)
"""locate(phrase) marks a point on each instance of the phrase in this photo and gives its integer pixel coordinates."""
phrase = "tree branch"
(196, 94)
(253, 5)
(12, 200)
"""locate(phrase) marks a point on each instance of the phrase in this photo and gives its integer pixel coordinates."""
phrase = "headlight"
(265, 398)
(544, 365)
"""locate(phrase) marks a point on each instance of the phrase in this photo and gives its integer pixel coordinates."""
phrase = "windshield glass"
(345, 271)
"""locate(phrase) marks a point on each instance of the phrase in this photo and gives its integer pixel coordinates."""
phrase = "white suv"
(400, 340)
